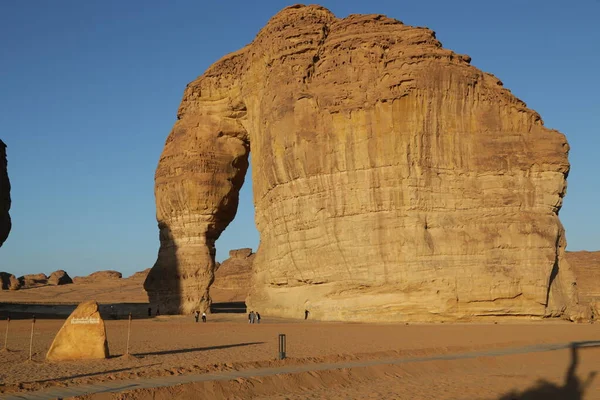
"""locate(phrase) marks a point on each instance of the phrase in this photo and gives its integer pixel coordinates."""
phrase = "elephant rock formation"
(392, 180)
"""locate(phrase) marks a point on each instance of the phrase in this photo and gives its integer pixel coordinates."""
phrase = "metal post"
(6, 334)
(282, 345)
(31, 339)
(128, 333)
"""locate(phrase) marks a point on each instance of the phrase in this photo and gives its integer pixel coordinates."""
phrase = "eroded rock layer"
(392, 179)
(5, 223)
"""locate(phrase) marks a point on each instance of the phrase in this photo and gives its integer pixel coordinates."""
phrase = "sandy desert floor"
(174, 345)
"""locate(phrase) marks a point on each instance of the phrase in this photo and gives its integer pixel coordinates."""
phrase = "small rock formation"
(141, 275)
(59, 277)
(235, 273)
(5, 223)
(33, 280)
(392, 179)
(586, 266)
(98, 276)
(82, 337)
(9, 281)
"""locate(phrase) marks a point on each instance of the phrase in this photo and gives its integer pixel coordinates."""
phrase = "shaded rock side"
(235, 273)
(392, 179)
(5, 222)
(59, 277)
(82, 336)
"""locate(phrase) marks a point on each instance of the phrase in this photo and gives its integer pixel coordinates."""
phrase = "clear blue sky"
(89, 92)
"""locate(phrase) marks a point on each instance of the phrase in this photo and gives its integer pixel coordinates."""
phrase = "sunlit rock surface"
(392, 179)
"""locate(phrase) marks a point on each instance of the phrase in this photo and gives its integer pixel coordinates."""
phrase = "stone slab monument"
(82, 337)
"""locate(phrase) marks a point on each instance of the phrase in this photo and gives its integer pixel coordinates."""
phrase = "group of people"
(253, 317)
(197, 316)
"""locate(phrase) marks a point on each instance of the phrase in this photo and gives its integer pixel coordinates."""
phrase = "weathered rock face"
(5, 223)
(9, 281)
(235, 273)
(59, 277)
(392, 179)
(83, 336)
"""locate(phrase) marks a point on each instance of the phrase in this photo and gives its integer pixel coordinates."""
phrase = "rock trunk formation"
(5, 223)
(392, 179)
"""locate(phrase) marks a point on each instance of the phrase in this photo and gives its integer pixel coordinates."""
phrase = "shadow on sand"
(64, 378)
(232, 307)
(572, 389)
(225, 346)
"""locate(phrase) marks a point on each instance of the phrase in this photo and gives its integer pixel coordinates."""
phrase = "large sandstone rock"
(392, 179)
(235, 273)
(5, 223)
(59, 277)
(9, 281)
(83, 336)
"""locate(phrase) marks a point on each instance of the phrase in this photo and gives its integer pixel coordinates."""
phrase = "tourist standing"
(203, 317)
(257, 318)
(197, 315)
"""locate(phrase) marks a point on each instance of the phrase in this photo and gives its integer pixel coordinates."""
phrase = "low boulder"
(98, 276)
(82, 336)
(59, 277)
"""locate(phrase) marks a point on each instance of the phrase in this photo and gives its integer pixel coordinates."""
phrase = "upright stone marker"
(83, 336)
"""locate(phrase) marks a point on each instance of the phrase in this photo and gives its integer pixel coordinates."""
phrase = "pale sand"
(177, 345)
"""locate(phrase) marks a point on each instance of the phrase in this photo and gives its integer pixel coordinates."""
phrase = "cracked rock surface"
(392, 179)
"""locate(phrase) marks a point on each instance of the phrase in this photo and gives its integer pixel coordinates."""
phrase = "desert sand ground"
(173, 345)
(176, 345)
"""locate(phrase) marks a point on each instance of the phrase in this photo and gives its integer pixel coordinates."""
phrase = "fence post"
(6, 334)
(128, 334)
(31, 339)
(282, 345)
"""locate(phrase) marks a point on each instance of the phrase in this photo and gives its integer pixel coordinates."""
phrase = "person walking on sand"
(257, 318)
(250, 317)
(306, 314)
(197, 315)
(203, 317)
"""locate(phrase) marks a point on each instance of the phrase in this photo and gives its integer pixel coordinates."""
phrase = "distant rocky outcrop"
(235, 273)
(586, 266)
(33, 280)
(59, 277)
(9, 281)
(141, 275)
(392, 180)
(5, 223)
(98, 276)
